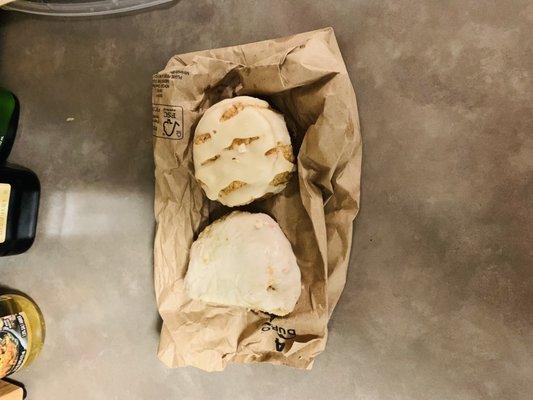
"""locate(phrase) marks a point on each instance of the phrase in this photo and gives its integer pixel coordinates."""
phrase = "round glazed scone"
(245, 260)
(242, 151)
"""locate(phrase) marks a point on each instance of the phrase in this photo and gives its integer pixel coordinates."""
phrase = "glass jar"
(22, 332)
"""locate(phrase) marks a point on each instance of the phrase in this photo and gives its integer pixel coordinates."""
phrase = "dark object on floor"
(19, 187)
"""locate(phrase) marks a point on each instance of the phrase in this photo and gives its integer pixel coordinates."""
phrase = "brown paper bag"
(303, 76)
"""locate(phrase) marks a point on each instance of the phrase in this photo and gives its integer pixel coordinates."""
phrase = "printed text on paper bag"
(283, 334)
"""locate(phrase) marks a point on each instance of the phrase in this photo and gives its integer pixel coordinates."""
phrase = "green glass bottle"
(9, 116)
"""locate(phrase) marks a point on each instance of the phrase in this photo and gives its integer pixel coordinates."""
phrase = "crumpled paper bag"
(304, 77)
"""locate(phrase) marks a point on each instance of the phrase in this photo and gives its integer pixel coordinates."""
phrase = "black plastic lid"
(9, 119)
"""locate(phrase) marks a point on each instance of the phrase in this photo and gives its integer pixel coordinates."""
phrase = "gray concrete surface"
(439, 299)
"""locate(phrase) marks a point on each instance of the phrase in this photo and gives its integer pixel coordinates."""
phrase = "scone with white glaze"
(242, 151)
(244, 259)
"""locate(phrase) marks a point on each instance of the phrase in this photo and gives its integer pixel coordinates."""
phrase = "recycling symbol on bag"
(167, 121)
(169, 127)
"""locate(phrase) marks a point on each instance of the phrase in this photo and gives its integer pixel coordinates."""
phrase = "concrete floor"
(439, 298)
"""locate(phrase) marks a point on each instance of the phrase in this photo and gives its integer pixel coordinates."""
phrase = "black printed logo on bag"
(282, 334)
(167, 121)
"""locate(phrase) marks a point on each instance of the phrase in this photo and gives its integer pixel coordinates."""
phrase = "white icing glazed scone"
(242, 151)
(244, 260)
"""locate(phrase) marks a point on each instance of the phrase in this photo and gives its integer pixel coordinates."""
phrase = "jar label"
(5, 191)
(13, 343)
